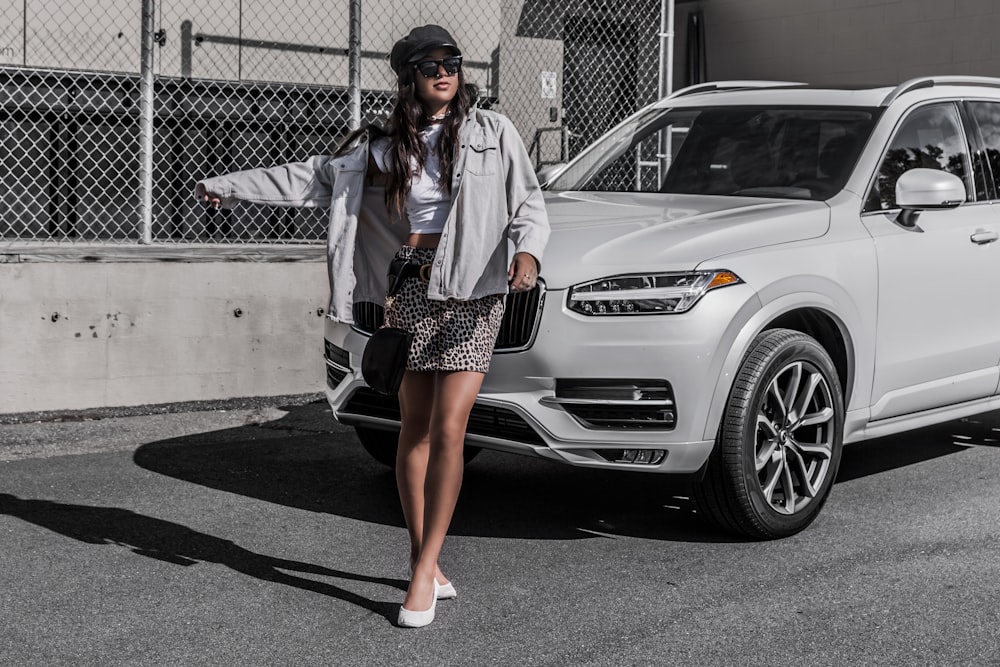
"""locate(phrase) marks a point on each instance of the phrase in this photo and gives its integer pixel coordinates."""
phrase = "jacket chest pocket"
(483, 157)
(348, 179)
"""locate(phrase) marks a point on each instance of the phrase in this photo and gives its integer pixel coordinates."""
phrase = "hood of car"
(598, 234)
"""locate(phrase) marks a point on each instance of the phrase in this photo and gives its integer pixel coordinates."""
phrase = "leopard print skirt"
(448, 335)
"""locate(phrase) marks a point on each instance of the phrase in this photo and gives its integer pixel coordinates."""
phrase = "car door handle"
(983, 237)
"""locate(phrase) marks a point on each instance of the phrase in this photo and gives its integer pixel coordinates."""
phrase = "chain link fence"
(100, 148)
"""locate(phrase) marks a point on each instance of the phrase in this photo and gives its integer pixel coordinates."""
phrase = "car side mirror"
(923, 189)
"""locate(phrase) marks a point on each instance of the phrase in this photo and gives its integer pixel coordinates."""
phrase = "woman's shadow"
(294, 462)
(180, 545)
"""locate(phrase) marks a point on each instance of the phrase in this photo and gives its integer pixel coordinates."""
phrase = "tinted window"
(796, 152)
(987, 115)
(931, 138)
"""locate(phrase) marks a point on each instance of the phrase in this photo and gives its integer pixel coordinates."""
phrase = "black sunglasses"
(429, 68)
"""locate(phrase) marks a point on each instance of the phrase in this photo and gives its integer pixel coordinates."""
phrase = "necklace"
(440, 116)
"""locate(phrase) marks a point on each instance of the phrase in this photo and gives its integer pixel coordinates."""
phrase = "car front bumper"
(517, 409)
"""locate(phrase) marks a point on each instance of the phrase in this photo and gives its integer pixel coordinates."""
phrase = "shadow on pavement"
(896, 451)
(180, 545)
(308, 461)
(292, 462)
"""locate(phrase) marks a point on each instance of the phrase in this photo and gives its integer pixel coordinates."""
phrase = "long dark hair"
(405, 121)
(407, 149)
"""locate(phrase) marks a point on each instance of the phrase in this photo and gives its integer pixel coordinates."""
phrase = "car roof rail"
(720, 86)
(931, 81)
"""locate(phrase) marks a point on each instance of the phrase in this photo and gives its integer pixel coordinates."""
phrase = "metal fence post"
(666, 82)
(666, 78)
(146, 124)
(354, 64)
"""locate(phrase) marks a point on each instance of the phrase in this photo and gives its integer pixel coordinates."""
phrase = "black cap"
(418, 43)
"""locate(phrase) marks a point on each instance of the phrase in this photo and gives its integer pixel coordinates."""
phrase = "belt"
(401, 270)
(410, 270)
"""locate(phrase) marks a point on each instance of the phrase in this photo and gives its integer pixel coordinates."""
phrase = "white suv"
(741, 278)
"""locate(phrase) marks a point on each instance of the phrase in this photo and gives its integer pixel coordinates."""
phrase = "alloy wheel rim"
(794, 437)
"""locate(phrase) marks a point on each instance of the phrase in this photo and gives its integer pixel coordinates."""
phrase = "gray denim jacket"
(494, 192)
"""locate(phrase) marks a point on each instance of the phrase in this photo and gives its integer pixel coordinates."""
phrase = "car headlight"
(647, 294)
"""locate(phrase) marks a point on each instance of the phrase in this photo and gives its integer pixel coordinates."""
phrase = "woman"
(451, 184)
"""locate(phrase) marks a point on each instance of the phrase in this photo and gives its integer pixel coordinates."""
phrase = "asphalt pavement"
(262, 534)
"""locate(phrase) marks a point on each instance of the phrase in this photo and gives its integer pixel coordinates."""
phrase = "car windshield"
(751, 151)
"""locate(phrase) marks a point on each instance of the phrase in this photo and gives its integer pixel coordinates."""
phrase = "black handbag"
(384, 360)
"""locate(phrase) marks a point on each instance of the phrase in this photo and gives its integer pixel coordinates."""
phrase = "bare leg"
(453, 397)
(416, 401)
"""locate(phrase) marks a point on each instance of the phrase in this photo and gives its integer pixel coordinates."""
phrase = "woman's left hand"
(523, 272)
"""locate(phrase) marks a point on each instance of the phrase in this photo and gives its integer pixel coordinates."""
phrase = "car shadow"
(177, 544)
(879, 455)
(308, 461)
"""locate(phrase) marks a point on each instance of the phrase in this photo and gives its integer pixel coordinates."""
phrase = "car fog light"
(639, 456)
(626, 403)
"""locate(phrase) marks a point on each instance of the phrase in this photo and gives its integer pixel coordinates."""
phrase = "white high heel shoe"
(445, 591)
(418, 619)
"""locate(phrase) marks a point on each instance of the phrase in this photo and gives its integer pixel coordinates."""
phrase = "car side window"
(987, 115)
(931, 138)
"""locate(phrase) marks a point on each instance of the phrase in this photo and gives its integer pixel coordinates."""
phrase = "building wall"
(860, 42)
(83, 334)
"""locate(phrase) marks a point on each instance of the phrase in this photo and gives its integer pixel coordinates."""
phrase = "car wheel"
(382, 445)
(780, 440)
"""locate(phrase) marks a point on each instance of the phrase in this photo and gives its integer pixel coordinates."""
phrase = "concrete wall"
(81, 334)
(845, 41)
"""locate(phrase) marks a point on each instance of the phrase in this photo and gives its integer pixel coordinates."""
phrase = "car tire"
(780, 440)
(382, 445)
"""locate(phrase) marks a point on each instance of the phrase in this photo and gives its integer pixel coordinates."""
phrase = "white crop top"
(428, 203)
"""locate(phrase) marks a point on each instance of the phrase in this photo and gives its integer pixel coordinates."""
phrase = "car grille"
(517, 330)
(485, 420)
(520, 317)
(334, 376)
(639, 417)
(338, 364)
(368, 316)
